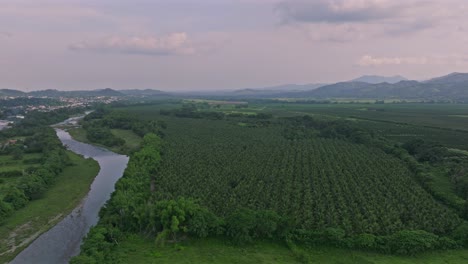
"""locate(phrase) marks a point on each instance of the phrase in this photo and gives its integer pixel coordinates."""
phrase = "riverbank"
(40, 215)
(62, 241)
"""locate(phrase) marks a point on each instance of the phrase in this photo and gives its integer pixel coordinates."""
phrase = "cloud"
(4, 34)
(337, 11)
(368, 60)
(332, 33)
(373, 18)
(172, 44)
(452, 59)
(46, 10)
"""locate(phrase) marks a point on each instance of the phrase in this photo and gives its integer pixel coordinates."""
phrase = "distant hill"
(11, 92)
(48, 93)
(275, 91)
(92, 93)
(452, 78)
(453, 86)
(283, 88)
(374, 79)
(145, 92)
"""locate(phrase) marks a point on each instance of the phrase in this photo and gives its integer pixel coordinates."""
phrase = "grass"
(78, 134)
(343, 256)
(7, 162)
(140, 250)
(132, 140)
(40, 215)
(459, 151)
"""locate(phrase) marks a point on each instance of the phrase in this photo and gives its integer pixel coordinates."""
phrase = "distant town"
(13, 108)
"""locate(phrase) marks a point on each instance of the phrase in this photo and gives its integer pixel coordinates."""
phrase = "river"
(63, 240)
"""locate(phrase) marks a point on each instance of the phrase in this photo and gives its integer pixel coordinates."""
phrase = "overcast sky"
(225, 44)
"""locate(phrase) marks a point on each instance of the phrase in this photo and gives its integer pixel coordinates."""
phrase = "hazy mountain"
(283, 88)
(453, 86)
(374, 79)
(275, 91)
(11, 92)
(452, 78)
(145, 92)
(92, 93)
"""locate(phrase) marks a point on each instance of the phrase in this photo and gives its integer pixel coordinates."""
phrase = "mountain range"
(107, 92)
(450, 87)
(374, 79)
(453, 87)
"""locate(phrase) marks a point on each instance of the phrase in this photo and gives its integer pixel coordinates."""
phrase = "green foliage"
(244, 225)
(99, 243)
(365, 241)
(409, 242)
(425, 151)
(185, 216)
(30, 183)
(102, 135)
(5, 210)
(241, 225)
(16, 198)
(461, 234)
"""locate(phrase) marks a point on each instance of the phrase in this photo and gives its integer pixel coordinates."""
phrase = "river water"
(63, 241)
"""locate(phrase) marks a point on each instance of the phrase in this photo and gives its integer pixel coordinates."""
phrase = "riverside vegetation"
(38, 183)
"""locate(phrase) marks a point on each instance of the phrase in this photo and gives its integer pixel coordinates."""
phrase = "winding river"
(63, 240)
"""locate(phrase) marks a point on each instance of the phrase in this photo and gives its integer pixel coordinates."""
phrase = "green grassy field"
(140, 250)
(38, 216)
(132, 140)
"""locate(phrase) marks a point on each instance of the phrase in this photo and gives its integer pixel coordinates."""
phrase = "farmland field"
(337, 178)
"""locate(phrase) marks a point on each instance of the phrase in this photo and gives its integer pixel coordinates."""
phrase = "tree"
(17, 153)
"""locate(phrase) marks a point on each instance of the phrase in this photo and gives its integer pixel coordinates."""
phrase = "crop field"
(444, 123)
(320, 183)
(434, 115)
(332, 172)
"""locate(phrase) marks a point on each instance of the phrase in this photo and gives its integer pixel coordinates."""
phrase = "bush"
(240, 225)
(16, 198)
(411, 242)
(365, 241)
(5, 210)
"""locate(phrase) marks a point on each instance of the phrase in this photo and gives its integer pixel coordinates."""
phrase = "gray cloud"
(172, 44)
(4, 34)
(341, 11)
(370, 18)
(451, 59)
